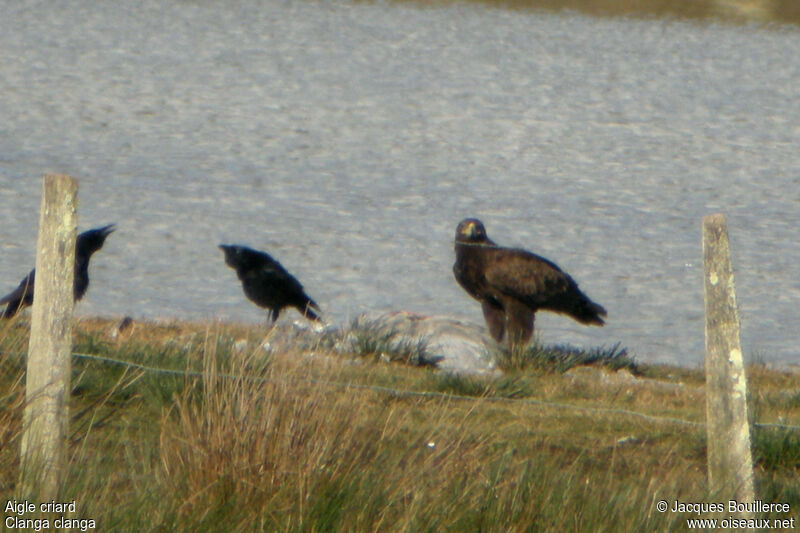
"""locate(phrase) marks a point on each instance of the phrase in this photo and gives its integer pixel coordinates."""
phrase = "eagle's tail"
(586, 311)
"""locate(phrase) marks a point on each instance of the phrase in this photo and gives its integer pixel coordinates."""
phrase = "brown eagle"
(512, 284)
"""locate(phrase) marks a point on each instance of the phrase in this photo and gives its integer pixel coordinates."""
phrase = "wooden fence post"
(45, 419)
(730, 465)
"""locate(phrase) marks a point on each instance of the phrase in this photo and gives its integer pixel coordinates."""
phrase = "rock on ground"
(438, 341)
(450, 344)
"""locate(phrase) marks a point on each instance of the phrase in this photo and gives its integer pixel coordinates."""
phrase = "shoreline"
(163, 325)
(778, 12)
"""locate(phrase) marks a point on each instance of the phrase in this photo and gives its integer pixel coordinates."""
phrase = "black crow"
(267, 283)
(87, 243)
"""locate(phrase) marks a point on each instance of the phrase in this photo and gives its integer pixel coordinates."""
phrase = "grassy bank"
(228, 437)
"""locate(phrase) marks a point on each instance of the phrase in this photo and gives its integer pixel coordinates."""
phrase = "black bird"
(87, 243)
(267, 283)
(512, 284)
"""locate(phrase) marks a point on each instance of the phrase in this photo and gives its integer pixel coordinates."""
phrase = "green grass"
(372, 339)
(300, 443)
(560, 358)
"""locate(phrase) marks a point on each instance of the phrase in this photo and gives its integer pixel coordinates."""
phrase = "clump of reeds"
(560, 358)
(376, 340)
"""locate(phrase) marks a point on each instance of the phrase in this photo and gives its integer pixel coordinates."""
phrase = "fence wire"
(421, 394)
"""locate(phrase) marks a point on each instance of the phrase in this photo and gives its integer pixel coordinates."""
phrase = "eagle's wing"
(525, 276)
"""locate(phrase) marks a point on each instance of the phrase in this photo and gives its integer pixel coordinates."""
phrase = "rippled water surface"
(348, 140)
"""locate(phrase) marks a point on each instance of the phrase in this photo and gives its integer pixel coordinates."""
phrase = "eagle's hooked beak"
(467, 228)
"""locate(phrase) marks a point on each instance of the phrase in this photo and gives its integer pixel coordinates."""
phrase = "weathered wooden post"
(730, 465)
(43, 457)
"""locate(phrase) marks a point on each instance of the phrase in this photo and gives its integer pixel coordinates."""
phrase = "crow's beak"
(108, 230)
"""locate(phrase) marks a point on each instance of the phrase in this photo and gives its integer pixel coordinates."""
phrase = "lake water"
(348, 140)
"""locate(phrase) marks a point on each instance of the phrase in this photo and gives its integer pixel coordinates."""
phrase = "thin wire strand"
(423, 394)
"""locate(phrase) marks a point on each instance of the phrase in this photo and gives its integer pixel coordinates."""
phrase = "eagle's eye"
(475, 231)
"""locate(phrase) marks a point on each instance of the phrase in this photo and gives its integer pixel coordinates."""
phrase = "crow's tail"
(308, 310)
